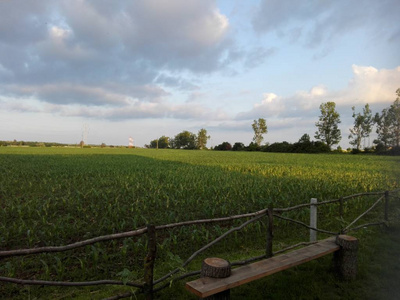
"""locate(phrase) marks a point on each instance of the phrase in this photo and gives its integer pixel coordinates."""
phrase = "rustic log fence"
(148, 285)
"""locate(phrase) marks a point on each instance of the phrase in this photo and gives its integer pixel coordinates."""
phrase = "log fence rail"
(148, 285)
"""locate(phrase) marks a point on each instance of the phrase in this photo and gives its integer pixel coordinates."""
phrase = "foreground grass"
(57, 196)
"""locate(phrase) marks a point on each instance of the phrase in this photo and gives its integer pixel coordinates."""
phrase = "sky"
(108, 70)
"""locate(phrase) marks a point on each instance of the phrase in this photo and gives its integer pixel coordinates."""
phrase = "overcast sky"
(157, 67)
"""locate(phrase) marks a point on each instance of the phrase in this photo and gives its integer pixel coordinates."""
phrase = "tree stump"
(345, 260)
(216, 268)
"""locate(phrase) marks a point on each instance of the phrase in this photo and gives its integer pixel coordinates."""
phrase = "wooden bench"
(207, 286)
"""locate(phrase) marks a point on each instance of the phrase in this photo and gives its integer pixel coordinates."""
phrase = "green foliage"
(283, 147)
(161, 143)
(225, 146)
(238, 147)
(202, 139)
(328, 130)
(260, 127)
(304, 145)
(253, 147)
(57, 196)
(388, 126)
(362, 126)
(184, 140)
(125, 275)
(394, 111)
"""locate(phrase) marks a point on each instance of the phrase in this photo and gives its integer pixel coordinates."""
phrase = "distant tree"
(388, 125)
(260, 128)
(253, 147)
(305, 139)
(282, 147)
(362, 126)
(304, 145)
(225, 146)
(328, 131)
(383, 124)
(394, 111)
(238, 147)
(153, 144)
(103, 145)
(81, 144)
(202, 138)
(185, 140)
(162, 143)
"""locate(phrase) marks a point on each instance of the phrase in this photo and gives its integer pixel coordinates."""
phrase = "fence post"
(270, 231)
(149, 262)
(386, 206)
(313, 220)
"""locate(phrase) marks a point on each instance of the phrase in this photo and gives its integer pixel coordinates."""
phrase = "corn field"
(57, 196)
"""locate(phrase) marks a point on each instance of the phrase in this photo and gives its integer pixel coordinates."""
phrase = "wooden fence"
(149, 286)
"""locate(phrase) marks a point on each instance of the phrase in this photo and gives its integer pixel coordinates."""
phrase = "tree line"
(328, 134)
(183, 140)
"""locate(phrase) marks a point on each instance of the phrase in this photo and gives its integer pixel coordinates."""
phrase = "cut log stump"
(215, 267)
(345, 260)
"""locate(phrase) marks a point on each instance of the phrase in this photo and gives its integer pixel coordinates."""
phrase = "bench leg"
(225, 295)
(345, 260)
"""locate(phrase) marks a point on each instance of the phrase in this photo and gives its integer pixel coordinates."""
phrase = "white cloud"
(371, 85)
(368, 85)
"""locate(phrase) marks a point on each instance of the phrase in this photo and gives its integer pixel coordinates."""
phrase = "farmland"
(57, 196)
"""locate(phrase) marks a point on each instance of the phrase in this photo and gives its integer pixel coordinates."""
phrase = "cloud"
(368, 85)
(119, 108)
(135, 43)
(316, 22)
(67, 93)
(178, 82)
(112, 59)
(257, 56)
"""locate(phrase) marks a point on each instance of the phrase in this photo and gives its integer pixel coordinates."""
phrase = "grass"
(55, 196)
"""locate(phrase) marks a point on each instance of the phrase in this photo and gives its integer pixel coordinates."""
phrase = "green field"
(57, 196)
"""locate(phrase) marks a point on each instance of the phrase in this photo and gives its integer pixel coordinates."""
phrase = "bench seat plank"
(206, 286)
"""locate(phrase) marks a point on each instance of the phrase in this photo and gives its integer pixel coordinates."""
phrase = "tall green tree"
(383, 123)
(162, 143)
(260, 128)
(394, 111)
(362, 126)
(185, 140)
(328, 130)
(202, 138)
(388, 125)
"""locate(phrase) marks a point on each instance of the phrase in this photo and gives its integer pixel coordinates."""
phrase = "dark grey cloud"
(100, 53)
(67, 93)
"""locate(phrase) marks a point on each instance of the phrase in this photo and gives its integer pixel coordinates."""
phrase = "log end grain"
(216, 268)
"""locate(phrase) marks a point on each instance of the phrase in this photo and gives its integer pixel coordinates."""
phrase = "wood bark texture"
(270, 232)
(149, 262)
(345, 260)
(216, 268)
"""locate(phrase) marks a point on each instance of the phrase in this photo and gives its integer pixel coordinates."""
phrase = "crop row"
(58, 196)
